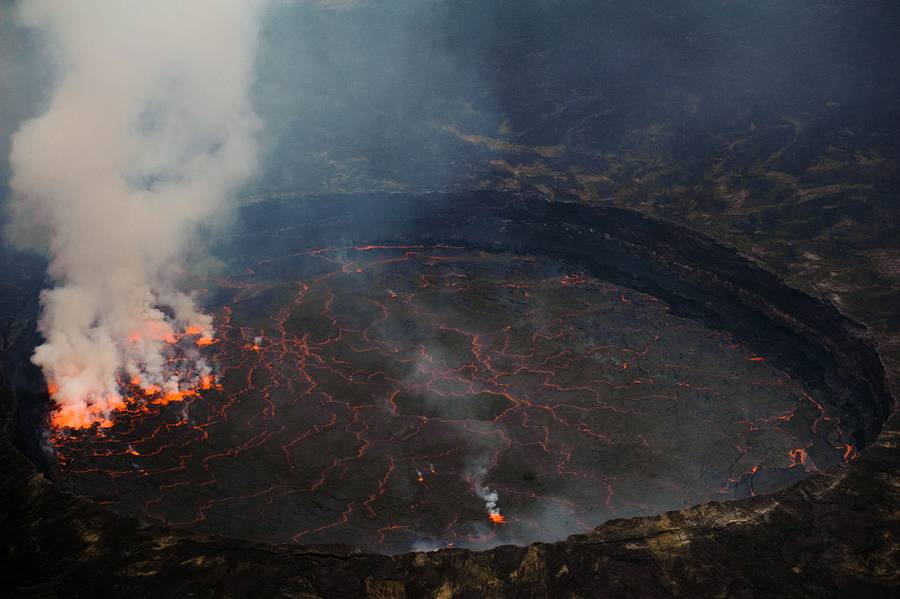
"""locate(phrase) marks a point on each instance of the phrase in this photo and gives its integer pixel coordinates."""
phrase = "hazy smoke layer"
(148, 132)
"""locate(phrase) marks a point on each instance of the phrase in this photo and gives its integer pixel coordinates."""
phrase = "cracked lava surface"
(381, 396)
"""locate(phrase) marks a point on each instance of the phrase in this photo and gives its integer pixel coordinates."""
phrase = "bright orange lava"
(173, 396)
(497, 518)
(207, 382)
(72, 417)
(848, 452)
(81, 417)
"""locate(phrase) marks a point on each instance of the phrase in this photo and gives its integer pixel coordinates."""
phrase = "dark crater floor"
(388, 368)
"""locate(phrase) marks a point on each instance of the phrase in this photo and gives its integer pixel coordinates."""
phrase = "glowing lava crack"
(397, 397)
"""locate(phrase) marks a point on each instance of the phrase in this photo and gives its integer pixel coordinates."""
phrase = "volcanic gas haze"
(148, 131)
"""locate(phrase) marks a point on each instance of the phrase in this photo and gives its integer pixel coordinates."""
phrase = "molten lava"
(177, 380)
(387, 396)
(79, 418)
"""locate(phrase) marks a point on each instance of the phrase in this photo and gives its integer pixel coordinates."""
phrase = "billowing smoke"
(148, 132)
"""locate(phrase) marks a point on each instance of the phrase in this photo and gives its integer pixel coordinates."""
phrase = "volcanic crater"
(416, 372)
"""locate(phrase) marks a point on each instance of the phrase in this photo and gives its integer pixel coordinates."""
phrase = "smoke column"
(489, 496)
(148, 132)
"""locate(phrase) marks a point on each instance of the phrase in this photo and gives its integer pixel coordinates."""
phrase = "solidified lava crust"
(377, 394)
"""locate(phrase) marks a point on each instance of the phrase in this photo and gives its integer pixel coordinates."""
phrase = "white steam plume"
(148, 132)
(490, 500)
(489, 496)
